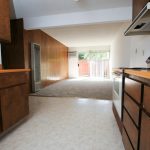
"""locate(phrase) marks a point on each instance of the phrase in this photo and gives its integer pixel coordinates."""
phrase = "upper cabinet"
(138, 5)
(5, 21)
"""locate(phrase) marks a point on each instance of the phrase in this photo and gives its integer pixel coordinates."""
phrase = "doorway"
(94, 64)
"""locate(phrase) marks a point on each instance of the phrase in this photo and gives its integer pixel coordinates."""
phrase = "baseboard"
(117, 118)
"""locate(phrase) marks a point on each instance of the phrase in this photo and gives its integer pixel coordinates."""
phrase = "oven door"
(117, 92)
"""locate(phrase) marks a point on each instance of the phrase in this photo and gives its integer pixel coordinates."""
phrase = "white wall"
(129, 51)
(120, 49)
(140, 50)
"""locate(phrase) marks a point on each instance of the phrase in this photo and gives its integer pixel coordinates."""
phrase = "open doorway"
(94, 64)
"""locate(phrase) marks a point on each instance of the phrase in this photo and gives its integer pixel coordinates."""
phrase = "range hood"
(141, 24)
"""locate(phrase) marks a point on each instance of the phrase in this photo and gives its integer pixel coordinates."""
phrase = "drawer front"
(146, 102)
(131, 129)
(133, 88)
(145, 132)
(126, 141)
(132, 108)
(11, 79)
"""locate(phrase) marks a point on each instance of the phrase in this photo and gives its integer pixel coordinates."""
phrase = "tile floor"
(66, 124)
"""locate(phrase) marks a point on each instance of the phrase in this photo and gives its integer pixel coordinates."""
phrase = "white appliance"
(117, 91)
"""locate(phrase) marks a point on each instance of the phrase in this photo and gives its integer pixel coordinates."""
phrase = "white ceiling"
(85, 35)
(34, 8)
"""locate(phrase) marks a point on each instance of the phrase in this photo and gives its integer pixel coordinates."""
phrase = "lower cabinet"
(145, 132)
(126, 141)
(14, 104)
(136, 113)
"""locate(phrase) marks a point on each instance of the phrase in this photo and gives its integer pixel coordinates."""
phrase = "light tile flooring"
(66, 124)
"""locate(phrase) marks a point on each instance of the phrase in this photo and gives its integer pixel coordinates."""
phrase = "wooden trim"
(14, 70)
(117, 118)
(139, 73)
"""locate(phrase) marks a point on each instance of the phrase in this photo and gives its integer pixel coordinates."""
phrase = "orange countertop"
(138, 73)
(14, 70)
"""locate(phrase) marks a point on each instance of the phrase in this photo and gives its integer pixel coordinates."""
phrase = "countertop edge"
(14, 70)
(138, 73)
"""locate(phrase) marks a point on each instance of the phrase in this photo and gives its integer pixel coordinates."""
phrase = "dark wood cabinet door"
(145, 132)
(138, 5)
(14, 105)
(5, 21)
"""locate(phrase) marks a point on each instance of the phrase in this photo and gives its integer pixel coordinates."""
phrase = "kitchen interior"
(130, 73)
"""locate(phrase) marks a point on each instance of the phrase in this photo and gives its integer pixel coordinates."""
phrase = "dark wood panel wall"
(13, 53)
(54, 56)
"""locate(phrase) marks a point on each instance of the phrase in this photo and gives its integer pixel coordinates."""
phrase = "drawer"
(145, 132)
(126, 141)
(11, 79)
(131, 129)
(146, 102)
(133, 88)
(132, 108)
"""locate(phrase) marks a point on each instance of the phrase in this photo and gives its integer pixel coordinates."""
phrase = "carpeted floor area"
(84, 87)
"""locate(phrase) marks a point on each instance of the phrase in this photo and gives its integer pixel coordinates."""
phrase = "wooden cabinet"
(133, 88)
(132, 108)
(136, 112)
(146, 101)
(145, 132)
(131, 129)
(4, 21)
(14, 104)
(126, 141)
(138, 5)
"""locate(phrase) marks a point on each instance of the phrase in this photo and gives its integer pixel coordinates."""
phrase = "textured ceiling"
(33, 8)
(85, 35)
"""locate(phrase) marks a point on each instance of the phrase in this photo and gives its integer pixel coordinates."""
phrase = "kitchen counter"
(14, 70)
(138, 73)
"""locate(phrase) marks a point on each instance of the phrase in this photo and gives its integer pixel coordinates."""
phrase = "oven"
(117, 90)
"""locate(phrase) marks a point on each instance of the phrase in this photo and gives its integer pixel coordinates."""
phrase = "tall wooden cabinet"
(4, 21)
(138, 5)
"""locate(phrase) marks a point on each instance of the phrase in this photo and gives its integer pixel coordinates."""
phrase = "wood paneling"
(17, 54)
(138, 5)
(4, 21)
(13, 53)
(54, 56)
